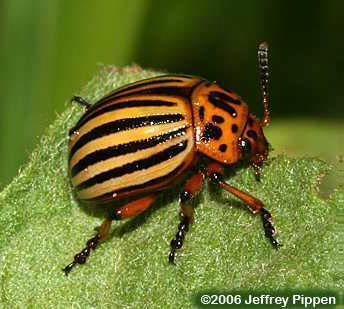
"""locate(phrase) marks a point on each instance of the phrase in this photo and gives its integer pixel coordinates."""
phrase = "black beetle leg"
(256, 171)
(215, 173)
(91, 244)
(83, 102)
(127, 210)
(191, 188)
(269, 230)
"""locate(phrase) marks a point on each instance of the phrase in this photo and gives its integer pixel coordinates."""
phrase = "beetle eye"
(245, 146)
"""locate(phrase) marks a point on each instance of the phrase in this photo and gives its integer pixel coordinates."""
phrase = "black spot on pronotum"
(218, 119)
(234, 128)
(224, 97)
(211, 132)
(201, 113)
(218, 101)
(252, 134)
(250, 122)
(223, 147)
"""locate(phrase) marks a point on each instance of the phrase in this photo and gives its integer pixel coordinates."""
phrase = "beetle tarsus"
(68, 268)
(269, 230)
(171, 257)
(177, 242)
(83, 102)
(82, 256)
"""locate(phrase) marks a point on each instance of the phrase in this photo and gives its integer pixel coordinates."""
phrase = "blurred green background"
(49, 49)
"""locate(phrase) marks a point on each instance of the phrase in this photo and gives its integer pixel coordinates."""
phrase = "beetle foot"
(82, 256)
(269, 230)
(177, 242)
(81, 101)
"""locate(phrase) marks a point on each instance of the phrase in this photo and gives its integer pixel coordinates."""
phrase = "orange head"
(253, 145)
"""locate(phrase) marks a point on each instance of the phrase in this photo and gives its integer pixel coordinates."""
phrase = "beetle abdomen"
(136, 139)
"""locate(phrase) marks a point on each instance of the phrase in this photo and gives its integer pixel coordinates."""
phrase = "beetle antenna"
(263, 65)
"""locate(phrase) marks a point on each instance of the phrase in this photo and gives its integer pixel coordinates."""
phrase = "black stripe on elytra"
(112, 107)
(180, 91)
(216, 101)
(122, 149)
(143, 83)
(168, 90)
(121, 125)
(225, 97)
(138, 84)
(110, 195)
(135, 166)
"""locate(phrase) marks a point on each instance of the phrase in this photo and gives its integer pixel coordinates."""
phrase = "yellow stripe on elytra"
(124, 113)
(138, 177)
(111, 163)
(123, 137)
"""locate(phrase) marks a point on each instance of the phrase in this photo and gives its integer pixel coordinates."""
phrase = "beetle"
(144, 137)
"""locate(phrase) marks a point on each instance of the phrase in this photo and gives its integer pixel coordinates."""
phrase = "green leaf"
(42, 227)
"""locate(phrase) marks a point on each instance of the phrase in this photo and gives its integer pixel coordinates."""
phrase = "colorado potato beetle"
(142, 138)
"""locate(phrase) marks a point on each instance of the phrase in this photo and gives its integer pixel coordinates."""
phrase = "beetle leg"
(190, 190)
(215, 173)
(130, 209)
(91, 244)
(81, 101)
(256, 171)
(133, 208)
